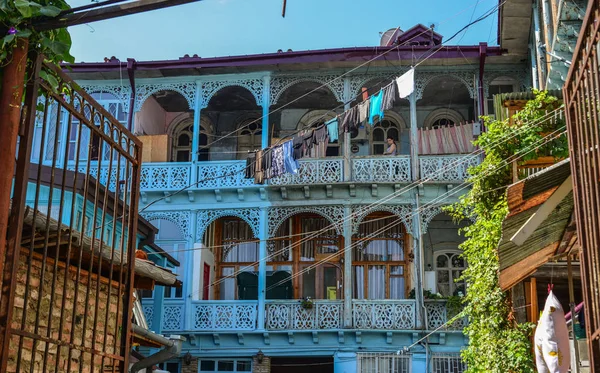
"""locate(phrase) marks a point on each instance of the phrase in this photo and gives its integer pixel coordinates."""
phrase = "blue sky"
(235, 27)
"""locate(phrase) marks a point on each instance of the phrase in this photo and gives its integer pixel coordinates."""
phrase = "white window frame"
(452, 285)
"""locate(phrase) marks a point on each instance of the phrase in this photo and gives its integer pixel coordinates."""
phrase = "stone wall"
(61, 318)
(264, 367)
(192, 368)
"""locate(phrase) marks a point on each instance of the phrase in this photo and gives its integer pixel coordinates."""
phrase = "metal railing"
(72, 234)
(582, 102)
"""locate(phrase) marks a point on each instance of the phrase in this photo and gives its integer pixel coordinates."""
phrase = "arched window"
(442, 118)
(182, 137)
(379, 134)
(250, 137)
(379, 261)
(449, 266)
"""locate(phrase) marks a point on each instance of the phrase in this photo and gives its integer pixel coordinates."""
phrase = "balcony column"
(189, 280)
(198, 104)
(347, 267)
(414, 137)
(347, 171)
(262, 268)
(266, 98)
(417, 250)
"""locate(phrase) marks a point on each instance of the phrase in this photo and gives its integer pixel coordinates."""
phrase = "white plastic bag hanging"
(552, 353)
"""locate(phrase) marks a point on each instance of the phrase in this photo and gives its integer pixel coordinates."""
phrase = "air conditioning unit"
(361, 136)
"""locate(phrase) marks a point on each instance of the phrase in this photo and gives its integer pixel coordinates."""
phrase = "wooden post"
(11, 96)
(534, 302)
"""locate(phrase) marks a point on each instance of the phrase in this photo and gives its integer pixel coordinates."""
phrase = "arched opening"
(443, 117)
(155, 125)
(442, 255)
(234, 251)
(498, 86)
(380, 267)
(315, 119)
(306, 105)
(306, 252)
(236, 115)
(445, 93)
(392, 125)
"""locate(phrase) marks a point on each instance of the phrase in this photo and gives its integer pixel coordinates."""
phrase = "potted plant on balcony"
(306, 303)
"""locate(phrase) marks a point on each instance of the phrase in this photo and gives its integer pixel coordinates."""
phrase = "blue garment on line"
(332, 129)
(291, 165)
(375, 106)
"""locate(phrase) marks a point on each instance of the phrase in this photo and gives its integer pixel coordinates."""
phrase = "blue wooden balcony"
(289, 315)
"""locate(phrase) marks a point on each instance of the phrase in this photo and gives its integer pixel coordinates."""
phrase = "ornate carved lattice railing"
(384, 314)
(438, 314)
(381, 169)
(224, 315)
(314, 171)
(446, 168)
(291, 315)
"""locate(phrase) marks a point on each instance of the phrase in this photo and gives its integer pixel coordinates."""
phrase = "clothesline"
(283, 158)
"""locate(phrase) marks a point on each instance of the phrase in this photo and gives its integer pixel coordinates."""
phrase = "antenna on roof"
(283, 10)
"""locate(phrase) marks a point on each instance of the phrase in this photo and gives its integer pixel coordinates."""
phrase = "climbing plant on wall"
(496, 343)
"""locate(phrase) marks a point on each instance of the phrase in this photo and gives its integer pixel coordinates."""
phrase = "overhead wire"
(349, 101)
(391, 196)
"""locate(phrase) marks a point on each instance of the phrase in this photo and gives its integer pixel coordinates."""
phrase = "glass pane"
(358, 291)
(244, 366)
(395, 250)
(207, 365)
(225, 366)
(397, 283)
(442, 261)
(172, 367)
(393, 132)
(378, 134)
(458, 261)
(330, 283)
(183, 140)
(183, 156)
(308, 284)
(375, 251)
(227, 286)
(378, 149)
(376, 282)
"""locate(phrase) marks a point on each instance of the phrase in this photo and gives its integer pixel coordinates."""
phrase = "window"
(232, 365)
(380, 132)
(498, 87)
(250, 132)
(383, 363)
(447, 363)
(171, 367)
(379, 264)
(449, 266)
(171, 240)
(182, 143)
(443, 117)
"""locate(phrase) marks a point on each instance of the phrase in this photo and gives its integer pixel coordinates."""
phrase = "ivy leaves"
(495, 343)
(18, 14)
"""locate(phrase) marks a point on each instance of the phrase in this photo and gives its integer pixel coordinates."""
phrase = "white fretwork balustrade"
(313, 171)
(291, 315)
(381, 169)
(438, 315)
(224, 315)
(384, 314)
(446, 168)
(165, 176)
(222, 174)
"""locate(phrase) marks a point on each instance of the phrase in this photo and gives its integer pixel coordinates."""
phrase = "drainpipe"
(131, 73)
(482, 56)
(172, 349)
(538, 44)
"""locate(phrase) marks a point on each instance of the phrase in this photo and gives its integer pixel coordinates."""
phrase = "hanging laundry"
(297, 144)
(277, 165)
(363, 111)
(320, 134)
(332, 129)
(389, 97)
(308, 140)
(250, 161)
(375, 107)
(258, 168)
(321, 142)
(406, 83)
(290, 163)
(552, 351)
(350, 121)
(267, 163)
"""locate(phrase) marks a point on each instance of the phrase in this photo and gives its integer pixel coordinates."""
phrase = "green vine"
(496, 343)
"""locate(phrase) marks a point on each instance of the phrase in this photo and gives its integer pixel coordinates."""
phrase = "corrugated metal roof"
(524, 199)
(528, 95)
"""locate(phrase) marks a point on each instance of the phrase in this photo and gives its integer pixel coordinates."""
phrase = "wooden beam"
(542, 213)
(104, 13)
